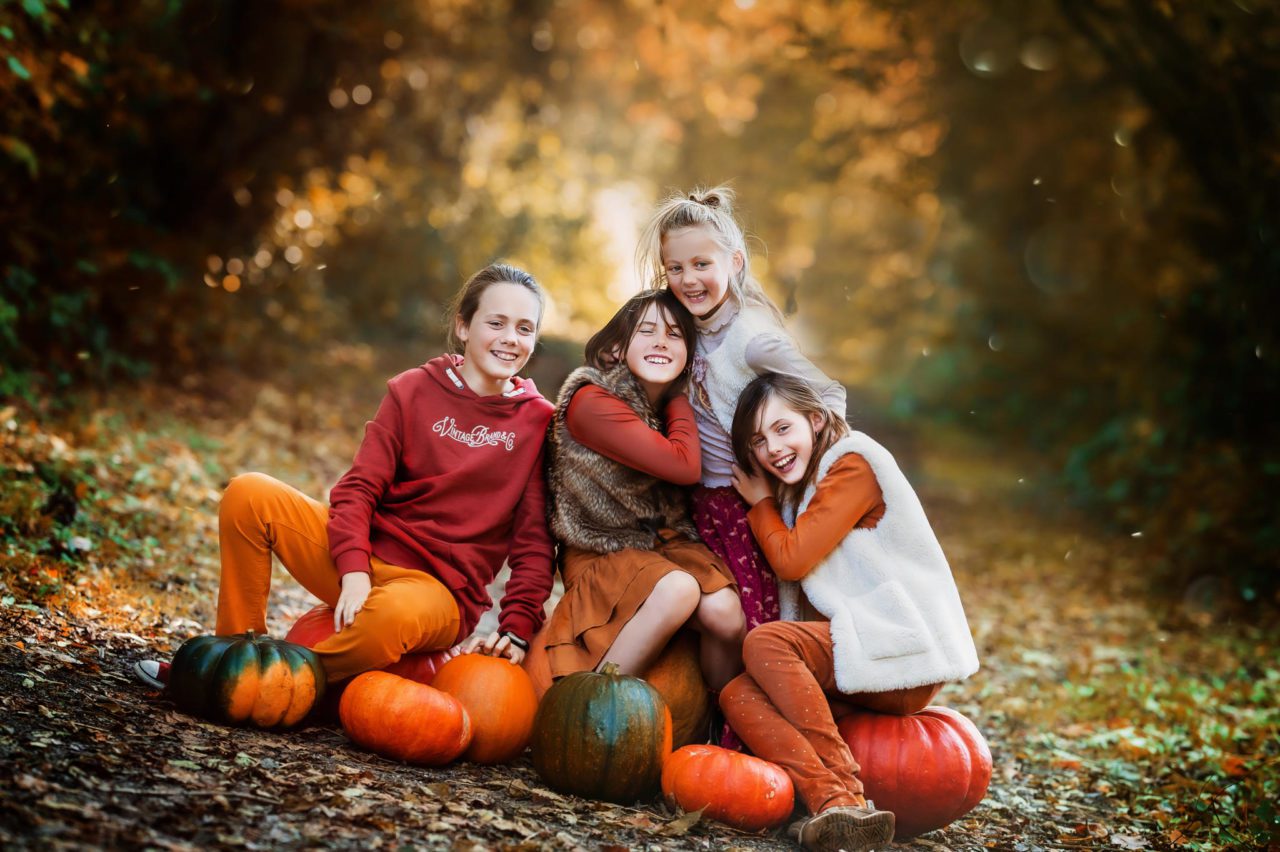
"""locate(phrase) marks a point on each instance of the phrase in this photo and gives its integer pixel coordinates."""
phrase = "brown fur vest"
(601, 505)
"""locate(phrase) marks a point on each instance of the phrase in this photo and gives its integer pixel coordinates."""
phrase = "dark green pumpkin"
(602, 736)
(246, 679)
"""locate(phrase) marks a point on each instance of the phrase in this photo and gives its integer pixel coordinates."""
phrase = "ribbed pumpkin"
(602, 736)
(929, 768)
(403, 719)
(246, 679)
(500, 700)
(738, 789)
(676, 674)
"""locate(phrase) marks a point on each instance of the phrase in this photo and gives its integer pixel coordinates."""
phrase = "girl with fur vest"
(694, 246)
(446, 485)
(871, 615)
(624, 445)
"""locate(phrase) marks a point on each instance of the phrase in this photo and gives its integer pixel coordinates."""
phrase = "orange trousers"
(407, 610)
(785, 706)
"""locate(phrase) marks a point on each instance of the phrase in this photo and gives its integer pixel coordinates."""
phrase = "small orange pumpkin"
(500, 700)
(737, 789)
(405, 720)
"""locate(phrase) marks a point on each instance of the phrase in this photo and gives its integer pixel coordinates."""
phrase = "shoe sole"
(853, 833)
(141, 674)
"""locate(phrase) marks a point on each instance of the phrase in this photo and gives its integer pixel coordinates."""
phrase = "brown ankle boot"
(847, 828)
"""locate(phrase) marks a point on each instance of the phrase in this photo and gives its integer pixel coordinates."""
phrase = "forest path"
(1114, 721)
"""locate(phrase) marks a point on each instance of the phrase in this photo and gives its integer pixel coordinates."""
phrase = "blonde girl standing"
(446, 485)
(694, 245)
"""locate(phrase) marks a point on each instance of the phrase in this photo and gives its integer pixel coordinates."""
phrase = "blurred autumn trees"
(1052, 221)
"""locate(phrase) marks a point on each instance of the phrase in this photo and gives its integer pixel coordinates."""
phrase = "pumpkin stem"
(610, 669)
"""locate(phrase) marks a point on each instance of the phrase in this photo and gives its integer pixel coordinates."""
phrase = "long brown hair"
(467, 300)
(801, 398)
(608, 346)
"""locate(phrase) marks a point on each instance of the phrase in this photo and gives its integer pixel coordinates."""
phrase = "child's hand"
(355, 590)
(752, 486)
(495, 645)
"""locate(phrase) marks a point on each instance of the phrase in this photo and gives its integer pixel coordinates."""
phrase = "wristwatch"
(516, 640)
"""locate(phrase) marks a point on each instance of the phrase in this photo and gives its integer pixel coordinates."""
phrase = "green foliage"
(1187, 745)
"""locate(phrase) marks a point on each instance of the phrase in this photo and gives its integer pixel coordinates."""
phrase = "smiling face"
(499, 339)
(657, 352)
(698, 270)
(782, 443)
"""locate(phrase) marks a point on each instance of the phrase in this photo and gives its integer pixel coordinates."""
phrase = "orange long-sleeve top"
(604, 423)
(847, 498)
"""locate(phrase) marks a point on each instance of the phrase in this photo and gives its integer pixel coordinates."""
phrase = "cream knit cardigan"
(896, 617)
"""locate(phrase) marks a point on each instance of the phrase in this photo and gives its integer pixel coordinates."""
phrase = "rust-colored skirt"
(603, 591)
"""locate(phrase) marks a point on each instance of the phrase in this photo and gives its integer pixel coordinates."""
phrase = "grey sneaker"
(849, 829)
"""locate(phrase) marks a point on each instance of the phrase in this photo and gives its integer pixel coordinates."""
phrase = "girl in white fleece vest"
(871, 615)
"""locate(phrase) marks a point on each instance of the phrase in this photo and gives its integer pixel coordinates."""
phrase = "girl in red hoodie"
(446, 485)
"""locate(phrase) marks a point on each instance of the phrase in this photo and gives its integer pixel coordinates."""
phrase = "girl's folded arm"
(605, 424)
(846, 495)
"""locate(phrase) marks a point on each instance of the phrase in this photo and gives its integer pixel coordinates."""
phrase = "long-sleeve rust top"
(604, 423)
(847, 498)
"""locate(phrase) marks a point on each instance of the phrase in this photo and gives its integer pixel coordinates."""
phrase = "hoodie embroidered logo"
(480, 436)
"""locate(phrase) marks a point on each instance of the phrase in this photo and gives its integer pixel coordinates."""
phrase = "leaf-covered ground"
(1117, 718)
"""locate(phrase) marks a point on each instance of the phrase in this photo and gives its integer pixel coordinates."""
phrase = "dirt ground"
(93, 759)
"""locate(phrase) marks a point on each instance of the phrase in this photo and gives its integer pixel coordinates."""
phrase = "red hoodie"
(451, 483)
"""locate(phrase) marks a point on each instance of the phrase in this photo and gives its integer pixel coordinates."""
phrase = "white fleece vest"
(896, 617)
(727, 369)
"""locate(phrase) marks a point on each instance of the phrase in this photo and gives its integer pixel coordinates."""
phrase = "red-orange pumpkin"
(316, 624)
(738, 789)
(929, 768)
(500, 700)
(676, 674)
(602, 736)
(405, 720)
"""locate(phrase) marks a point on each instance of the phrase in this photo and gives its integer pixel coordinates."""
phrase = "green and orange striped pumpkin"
(246, 680)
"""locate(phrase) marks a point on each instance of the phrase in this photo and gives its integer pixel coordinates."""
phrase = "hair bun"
(717, 198)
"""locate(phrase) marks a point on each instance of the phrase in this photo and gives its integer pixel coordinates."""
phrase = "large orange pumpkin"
(676, 674)
(405, 720)
(738, 789)
(929, 768)
(500, 700)
(602, 736)
(246, 679)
